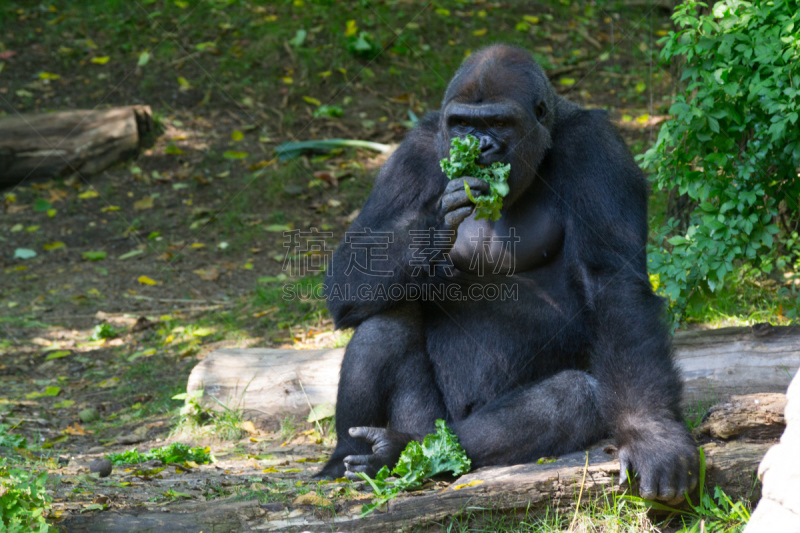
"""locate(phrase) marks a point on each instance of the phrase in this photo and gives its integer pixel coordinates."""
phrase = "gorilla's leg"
(386, 379)
(552, 417)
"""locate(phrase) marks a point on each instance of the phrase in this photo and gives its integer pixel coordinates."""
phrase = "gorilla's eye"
(463, 123)
(541, 111)
(499, 124)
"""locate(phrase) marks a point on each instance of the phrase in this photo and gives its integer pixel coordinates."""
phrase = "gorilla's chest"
(522, 240)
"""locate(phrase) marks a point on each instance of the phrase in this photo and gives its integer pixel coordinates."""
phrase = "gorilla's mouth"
(487, 160)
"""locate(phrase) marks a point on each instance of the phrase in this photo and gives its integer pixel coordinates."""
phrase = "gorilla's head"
(503, 97)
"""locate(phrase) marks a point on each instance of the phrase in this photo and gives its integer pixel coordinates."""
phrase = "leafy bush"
(23, 500)
(732, 145)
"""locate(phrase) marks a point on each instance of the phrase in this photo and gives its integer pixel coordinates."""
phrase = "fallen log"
(64, 143)
(753, 416)
(271, 384)
(521, 490)
(526, 490)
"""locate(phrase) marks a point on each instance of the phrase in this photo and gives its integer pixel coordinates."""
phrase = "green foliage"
(438, 453)
(363, 45)
(11, 441)
(23, 500)
(732, 145)
(103, 331)
(330, 111)
(712, 515)
(464, 151)
(172, 453)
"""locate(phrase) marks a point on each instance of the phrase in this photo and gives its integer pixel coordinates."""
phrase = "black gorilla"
(577, 350)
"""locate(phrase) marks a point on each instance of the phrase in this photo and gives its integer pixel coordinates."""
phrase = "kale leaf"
(464, 151)
(436, 454)
(172, 453)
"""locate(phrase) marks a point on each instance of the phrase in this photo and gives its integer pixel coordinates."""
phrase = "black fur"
(581, 353)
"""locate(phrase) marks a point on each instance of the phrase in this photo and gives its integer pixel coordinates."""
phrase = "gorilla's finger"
(455, 200)
(352, 476)
(624, 467)
(648, 485)
(666, 488)
(475, 184)
(354, 462)
(365, 433)
(454, 218)
(681, 478)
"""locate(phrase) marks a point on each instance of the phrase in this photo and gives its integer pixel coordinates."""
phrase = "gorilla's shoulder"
(425, 130)
(420, 142)
(580, 123)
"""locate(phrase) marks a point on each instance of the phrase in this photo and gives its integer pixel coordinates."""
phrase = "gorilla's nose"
(490, 151)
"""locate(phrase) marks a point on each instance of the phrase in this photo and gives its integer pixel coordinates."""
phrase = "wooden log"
(226, 516)
(717, 364)
(271, 384)
(522, 490)
(268, 384)
(63, 143)
(753, 416)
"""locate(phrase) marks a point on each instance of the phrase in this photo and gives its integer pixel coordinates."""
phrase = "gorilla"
(575, 348)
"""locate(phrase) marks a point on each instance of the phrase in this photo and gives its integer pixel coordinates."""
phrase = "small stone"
(101, 466)
(89, 415)
(293, 190)
(97, 449)
(130, 439)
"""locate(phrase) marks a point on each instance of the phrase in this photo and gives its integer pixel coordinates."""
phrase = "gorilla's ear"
(541, 110)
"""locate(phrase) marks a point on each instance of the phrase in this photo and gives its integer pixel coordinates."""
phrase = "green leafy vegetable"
(23, 500)
(103, 331)
(173, 453)
(464, 151)
(438, 453)
(11, 441)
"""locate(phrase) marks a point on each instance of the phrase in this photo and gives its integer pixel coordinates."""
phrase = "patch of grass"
(227, 425)
(753, 298)
(289, 427)
(717, 514)
(23, 499)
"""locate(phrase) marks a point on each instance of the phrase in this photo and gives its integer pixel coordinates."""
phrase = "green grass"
(752, 299)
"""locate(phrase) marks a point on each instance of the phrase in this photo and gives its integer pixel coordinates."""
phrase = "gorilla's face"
(503, 98)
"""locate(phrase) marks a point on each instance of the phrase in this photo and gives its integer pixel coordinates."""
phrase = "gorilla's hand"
(456, 205)
(664, 458)
(387, 445)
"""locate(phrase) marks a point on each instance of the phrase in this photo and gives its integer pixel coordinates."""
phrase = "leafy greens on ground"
(464, 152)
(173, 453)
(436, 454)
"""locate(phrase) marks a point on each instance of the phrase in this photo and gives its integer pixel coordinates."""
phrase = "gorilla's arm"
(639, 387)
(405, 197)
